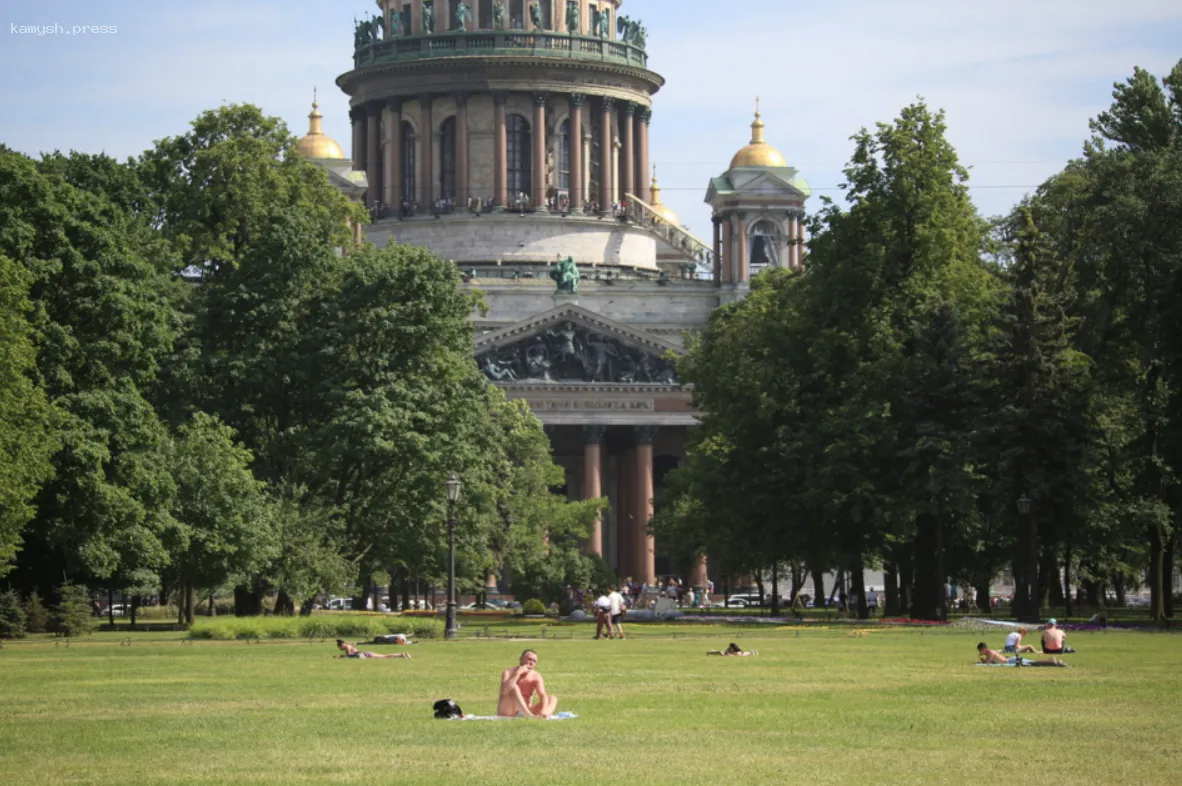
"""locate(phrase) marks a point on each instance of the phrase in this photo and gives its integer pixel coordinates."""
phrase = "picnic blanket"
(555, 716)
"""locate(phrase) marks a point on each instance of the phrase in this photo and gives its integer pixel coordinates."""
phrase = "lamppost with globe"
(453, 496)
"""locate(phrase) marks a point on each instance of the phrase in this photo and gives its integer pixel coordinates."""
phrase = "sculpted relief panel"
(569, 352)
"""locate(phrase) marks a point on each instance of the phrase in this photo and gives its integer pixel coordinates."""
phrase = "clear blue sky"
(1018, 78)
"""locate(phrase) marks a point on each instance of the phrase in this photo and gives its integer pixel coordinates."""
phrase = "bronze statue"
(463, 14)
(572, 17)
(499, 15)
(566, 275)
(428, 19)
(535, 14)
(605, 23)
(395, 24)
(378, 28)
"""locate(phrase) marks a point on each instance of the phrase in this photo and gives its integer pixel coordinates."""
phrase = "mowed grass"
(818, 705)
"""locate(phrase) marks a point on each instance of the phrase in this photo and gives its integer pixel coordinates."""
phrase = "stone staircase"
(641, 214)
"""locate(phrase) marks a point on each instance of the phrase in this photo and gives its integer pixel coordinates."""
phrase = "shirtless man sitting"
(352, 652)
(518, 686)
(1053, 639)
(987, 655)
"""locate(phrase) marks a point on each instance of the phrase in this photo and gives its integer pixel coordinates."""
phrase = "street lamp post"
(1031, 590)
(453, 495)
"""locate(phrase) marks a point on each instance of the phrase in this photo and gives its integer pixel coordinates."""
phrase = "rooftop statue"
(499, 15)
(572, 18)
(428, 19)
(535, 14)
(396, 26)
(566, 275)
(605, 23)
(463, 14)
(631, 32)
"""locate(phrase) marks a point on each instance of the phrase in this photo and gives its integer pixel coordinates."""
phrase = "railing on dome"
(643, 215)
(460, 43)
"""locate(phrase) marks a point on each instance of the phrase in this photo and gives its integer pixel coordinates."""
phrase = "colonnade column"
(462, 195)
(799, 244)
(728, 249)
(357, 116)
(416, 17)
(628, 165)
(645, 557)
(625, 518)
(717, 249)
(373, 155)
(558, 21)
(426, 151)
(643, 164)
(501, 152)
(575, 141)
(392, 176)
(606, 167)
(539, 153)
(592, 482)
(744, 262)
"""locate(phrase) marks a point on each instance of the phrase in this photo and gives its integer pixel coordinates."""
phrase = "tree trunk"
(890, 591)
(306, 606)
(213, 612)
(190, 597)
(859, 581)
(111, 607)
(284, 604)
(1094, 593)
(983, 604)
(776, 588)
(180, 603)
(363, 582)
(929, 584)
(1157, 549)
(906, 562)
(248, 600)
(1118, 587)
(404, 586)
(1050, 589)
(1168, 572)
(818, 583)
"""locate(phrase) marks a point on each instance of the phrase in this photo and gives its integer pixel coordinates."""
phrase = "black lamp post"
(1031, 589)
(453, 496)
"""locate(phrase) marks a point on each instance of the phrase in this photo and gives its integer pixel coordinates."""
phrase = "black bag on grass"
(447, 709)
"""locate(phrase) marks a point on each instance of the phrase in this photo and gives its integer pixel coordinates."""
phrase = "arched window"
(486, 15)
(518, 159)
(447, 155)
(408, 162)
(765, 246)
(517, 14)
(564, 156)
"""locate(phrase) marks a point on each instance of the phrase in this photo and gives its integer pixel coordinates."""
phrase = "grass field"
(819, 705)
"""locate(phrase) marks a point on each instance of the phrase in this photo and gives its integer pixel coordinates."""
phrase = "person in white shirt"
(616, 610)
(1014, 645)
(602, 618)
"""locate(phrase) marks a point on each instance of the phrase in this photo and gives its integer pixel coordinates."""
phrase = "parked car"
(117, 610)
(339, 604)
(744, 599)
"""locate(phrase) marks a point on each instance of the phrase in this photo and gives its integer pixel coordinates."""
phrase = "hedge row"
(317, 627)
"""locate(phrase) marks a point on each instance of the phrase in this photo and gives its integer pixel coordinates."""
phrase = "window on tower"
(564, 156)
(518, 140)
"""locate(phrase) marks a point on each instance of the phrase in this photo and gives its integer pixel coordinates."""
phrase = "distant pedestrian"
(872, 601)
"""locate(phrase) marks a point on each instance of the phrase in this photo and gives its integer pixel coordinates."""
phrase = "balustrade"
(460, 42)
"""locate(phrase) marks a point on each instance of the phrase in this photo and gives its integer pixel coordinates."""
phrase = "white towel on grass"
(555, 716)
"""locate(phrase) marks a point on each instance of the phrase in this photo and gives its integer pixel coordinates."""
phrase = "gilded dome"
(315, 144)
(758, 152)
(661, 210)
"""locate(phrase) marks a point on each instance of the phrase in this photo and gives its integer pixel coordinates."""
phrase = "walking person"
(615, 603)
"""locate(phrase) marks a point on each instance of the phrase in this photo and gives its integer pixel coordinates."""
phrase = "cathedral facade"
(512, 138)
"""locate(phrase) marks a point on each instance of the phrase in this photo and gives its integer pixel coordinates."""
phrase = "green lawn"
(818, 706)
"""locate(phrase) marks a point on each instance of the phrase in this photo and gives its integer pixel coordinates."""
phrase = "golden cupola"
(661, 210)
(315, 144)
(758, 152)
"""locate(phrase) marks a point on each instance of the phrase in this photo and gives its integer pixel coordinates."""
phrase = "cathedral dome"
(758, 152)
(662, 210)
(315, 144)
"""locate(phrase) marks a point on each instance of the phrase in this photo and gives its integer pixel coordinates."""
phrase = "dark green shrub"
(12, 616)
(533, 606)
(73, 617)
(36, 615)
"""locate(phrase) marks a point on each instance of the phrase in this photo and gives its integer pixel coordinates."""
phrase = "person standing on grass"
(616, 612)
(872, 602)
(602, 618)
(518, 686)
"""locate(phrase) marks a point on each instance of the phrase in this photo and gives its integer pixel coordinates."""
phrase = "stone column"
(539, 153)
(728, 250)
(392, 177)
(799, 221)
(443, 16)
(587, 195)
(606, 164)
(698, 573)
(643, 163)
(416, 17)
(625, 517)
(462, 195)
(592, 482)
(628, 154)
(717, 249)
(575, 140)
(373, 154)
(426, 153)
(584, 20)
(616, 195)
(501, 153)
(645, 558)
(357, 116)
(559, 20)
(744, 262)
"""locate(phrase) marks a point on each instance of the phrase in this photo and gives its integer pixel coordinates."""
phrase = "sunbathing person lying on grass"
(994, 657)
(352, 652)
(733, 650)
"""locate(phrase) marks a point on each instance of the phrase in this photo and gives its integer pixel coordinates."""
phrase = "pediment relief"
(765, 183)
(571, 346)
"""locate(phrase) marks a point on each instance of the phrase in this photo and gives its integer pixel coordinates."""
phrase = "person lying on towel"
(733, 650)
(993, 656)
(352, 652)
(520, 684)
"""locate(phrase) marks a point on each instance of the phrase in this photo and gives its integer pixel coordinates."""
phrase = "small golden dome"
(315, 144)
(759, 152)
(655, 203)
